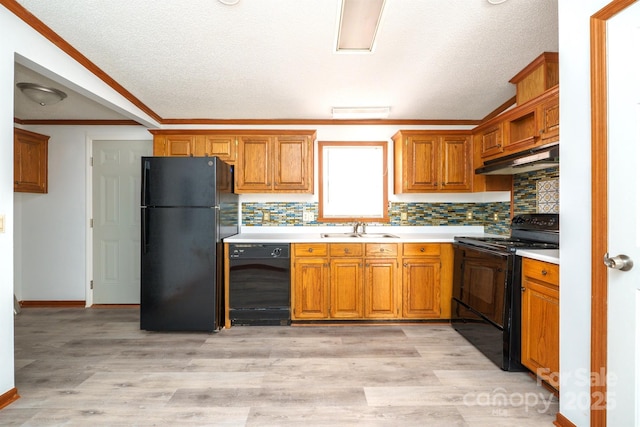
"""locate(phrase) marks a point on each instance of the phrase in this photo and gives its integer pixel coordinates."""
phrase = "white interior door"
(116, 220)
(623, 347)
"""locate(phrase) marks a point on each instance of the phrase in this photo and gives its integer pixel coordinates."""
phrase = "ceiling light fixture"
(229, 2)
(358, 26)
(41, 94)
(345, 113)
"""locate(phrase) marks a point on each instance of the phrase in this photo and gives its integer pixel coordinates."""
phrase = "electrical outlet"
(496, 217)
(307, 216)
(469, 215)
(403, 216)
(1, 223)
(266, 216)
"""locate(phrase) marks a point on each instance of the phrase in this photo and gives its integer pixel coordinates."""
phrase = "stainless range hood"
(537, 158)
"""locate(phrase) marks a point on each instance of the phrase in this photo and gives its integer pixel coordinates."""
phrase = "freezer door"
(181, 271)
(181, 181)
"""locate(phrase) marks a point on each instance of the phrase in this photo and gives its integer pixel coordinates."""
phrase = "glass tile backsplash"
(493, 216)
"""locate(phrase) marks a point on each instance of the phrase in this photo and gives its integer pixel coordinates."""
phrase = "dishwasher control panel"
(258, 251)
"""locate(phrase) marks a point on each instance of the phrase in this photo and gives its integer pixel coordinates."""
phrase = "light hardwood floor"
(95, 367)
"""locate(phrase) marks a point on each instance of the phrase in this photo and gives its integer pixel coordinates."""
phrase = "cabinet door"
(222, 146)
(490, 141)
(310, 290)
(540, 320)
(422, 163)
(456, 163)
(30, 162)
(293, 164)
(346, 288)
(550, 120)
(421, 288)
(381, 296)
(179, 145)
(254, 171)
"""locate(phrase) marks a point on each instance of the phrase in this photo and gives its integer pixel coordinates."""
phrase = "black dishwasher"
(259, 284)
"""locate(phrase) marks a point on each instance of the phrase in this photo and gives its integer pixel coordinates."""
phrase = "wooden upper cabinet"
(490, 140)
(254, 172)
(30, 161)
(222, 146)
(174, 145)
(455, 174)
(540, 75)
(265, 161)
(549, 116)
(169, 143)
(293, 166)
(275, 163)
(428, 161)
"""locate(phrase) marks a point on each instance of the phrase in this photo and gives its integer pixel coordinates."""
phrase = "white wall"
(51, 230)
(575, 207)
(6, 209)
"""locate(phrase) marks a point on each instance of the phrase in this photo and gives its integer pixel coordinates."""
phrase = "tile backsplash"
(536, 191)
(494, 216)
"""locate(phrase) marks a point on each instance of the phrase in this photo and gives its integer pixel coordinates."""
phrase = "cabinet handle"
(405, 264)
(310, 250)
(347, 251)
(498, 145)
(523, 289)
(544, 272)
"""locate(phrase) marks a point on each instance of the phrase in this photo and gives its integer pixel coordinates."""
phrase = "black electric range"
(486, 303)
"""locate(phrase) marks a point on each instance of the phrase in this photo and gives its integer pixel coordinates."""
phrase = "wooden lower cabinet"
(380, 288)
(342, 281)
(540, 319)
(346, 288)
(310, 290)
(426, 280)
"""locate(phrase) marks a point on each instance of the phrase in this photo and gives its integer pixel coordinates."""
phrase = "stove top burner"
(528, 231)
(505, 243)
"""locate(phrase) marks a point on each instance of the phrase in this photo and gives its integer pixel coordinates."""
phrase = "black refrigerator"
(188, 207)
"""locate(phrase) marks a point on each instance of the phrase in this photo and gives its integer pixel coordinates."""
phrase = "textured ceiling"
(275, 59)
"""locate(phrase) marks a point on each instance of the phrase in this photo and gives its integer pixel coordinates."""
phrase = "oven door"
(485, 307)
(480, 282)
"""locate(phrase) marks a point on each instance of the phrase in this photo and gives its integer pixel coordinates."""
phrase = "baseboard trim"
(9, 397)
(115, 306)
(562, 421)
(69, 303)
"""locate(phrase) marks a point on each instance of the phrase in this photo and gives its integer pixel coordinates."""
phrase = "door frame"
(599, 207)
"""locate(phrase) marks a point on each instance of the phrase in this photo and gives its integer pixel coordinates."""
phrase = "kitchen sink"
(377, 235)
(365, 235)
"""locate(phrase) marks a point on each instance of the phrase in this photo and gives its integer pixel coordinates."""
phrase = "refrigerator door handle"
(145, 229)
(145, 181)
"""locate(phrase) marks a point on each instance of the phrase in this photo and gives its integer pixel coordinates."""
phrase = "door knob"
(619, 262)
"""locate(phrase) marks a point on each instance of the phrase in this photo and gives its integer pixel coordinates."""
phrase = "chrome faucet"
(357, 226)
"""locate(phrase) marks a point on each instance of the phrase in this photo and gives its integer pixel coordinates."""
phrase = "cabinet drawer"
(540, 270)
(381, 249)
(310, 249)
(345, 249)
(421, 249)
